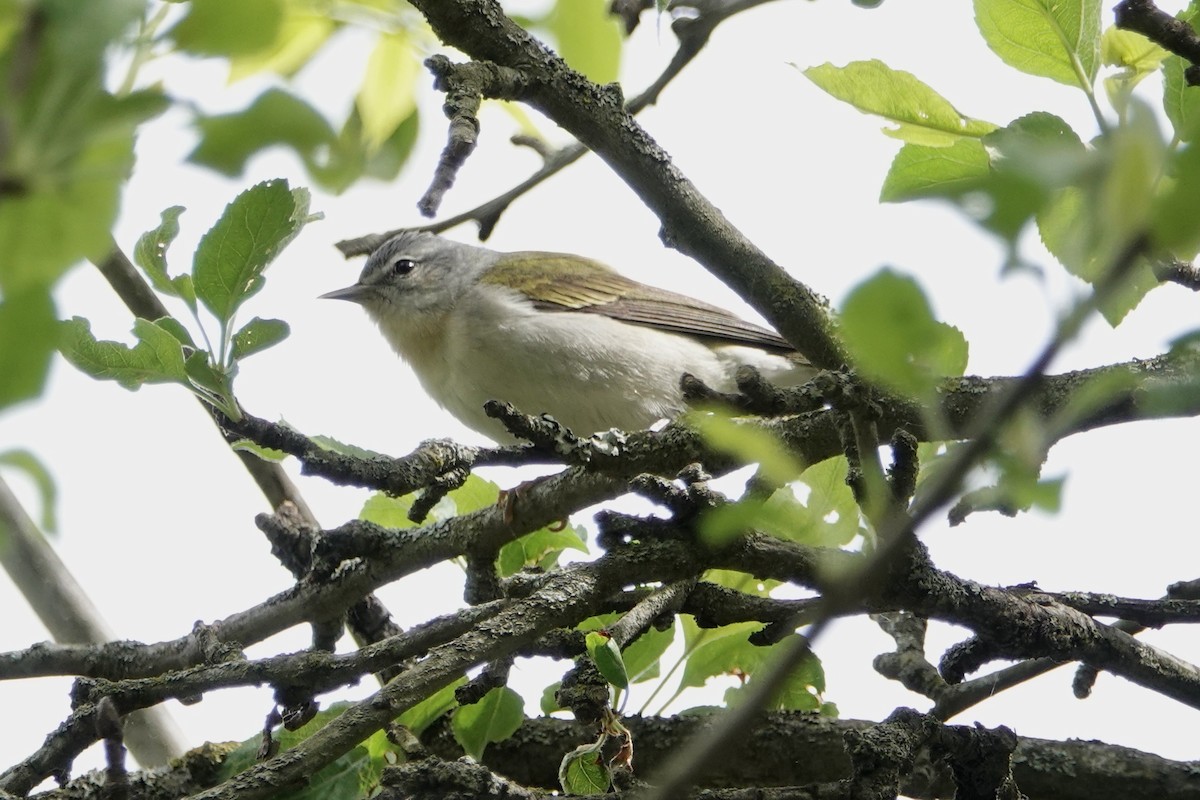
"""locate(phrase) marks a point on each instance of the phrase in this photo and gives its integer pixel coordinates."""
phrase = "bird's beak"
(355, 294)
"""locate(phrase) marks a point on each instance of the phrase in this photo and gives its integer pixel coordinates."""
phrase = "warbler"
(552, 333)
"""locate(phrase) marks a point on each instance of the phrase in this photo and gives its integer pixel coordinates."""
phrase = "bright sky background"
(156, 515)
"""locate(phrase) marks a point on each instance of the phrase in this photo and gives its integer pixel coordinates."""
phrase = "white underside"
(588, 371)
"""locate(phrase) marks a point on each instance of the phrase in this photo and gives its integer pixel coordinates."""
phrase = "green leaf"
(49, 228)
(827, 518)
(583, 771)
(717, 651)
(643, 654)
(352, 775)
(68, 144)
(33, 467)
(176, 329)
(392, 512)
(1135, 55)
(1056, 39)
(387, 96)
(921, 115)
(300, 35)
(1088, 225)
(473, 495)
(1000, 182)
(276, 117)
(493, 719)
(348, 158)
(1131, 51)
(156, 358)
(921, 171)
(1173, 220)
(232, 256)
(256, 449)
(150, 253)
(893, 337)
(800, 691)
(831, 500)
(429, 710)
(748, 443)
(228, 27)
(588, 38)
(329, 443)
(1181, 102)
(549, 701)
(257, 335)
(540, 548)
(727, 651)
(28, 337)
(606, 655)
(211, 382)
(388, 511)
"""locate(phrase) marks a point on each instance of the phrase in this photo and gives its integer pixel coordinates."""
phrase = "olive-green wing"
(560, 282)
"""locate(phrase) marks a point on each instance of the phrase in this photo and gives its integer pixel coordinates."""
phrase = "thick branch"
(598, 119)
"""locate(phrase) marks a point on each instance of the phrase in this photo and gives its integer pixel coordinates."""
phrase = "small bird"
(553, 333)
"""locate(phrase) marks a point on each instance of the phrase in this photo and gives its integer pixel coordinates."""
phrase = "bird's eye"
(403, 266)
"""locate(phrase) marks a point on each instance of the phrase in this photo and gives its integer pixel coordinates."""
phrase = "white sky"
(156, 516)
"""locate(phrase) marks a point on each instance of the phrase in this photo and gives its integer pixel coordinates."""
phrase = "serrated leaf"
(493, 719)
(387, 96)
(921, 115)
(893, 337)
(276, 117)
(28, 337)
(1056, 39)
(1000, 181)
(156, 358)
(606, 655)
(232, 256)
(921, 171)
(257, 335)
(36, 471)
(228, 27)
(583, 771)
(587, 37)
